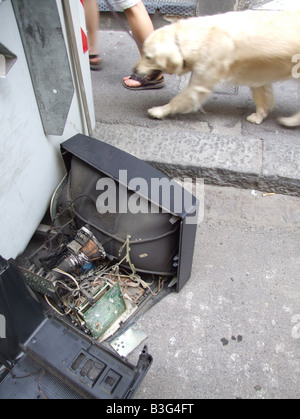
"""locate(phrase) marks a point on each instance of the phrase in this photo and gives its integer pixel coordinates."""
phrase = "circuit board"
(38, 282)
(105, 312)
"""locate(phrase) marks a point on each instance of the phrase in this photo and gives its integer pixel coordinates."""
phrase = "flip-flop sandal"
(146, 83)
(95, 62)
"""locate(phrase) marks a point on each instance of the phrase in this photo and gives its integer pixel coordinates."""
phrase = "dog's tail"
(292, 121)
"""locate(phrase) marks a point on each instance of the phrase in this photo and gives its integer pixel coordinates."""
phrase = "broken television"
(102, 264)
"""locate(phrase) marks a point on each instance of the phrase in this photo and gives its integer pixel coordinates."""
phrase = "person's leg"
(141, 26)
(92, 18)
(140, 23)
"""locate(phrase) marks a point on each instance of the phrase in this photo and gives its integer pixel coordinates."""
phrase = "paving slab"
(231, 333)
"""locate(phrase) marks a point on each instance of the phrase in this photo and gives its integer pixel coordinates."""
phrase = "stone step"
(224, 160)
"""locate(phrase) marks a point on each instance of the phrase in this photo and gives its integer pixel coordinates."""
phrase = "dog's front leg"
(264, 100)
(190, 100)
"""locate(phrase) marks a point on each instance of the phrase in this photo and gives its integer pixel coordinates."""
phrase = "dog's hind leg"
(264, 101)
(292, 121)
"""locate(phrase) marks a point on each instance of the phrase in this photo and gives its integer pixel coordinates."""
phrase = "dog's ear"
(170, 59)
(168, 55)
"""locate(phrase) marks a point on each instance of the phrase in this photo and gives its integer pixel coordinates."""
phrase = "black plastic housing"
(47, 356)
(163, 231)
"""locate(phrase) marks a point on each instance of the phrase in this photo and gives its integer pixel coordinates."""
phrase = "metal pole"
(75, 56)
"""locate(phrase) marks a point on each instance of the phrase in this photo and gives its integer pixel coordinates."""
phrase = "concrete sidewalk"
(218, 145)
(232, 332)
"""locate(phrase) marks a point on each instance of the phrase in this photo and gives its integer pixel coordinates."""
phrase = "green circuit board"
(105, 312)
(38, 282)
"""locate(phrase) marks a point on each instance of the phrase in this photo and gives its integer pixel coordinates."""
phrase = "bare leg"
(140, 23)
(92, 18)
(264, 101)
(141, 26)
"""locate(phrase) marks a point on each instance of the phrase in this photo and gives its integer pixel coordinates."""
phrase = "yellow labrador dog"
(253, 48)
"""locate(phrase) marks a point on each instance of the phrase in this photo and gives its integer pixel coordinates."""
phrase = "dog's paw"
(158, 113)
(256, 118)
